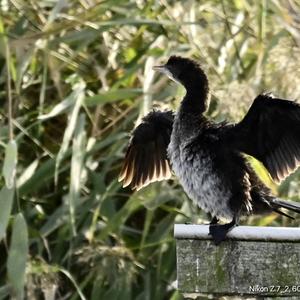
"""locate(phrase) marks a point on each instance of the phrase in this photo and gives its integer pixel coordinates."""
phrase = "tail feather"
(282, 213)
(289, 205)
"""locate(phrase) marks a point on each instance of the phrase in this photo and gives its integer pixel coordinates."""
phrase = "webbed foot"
(219, 232)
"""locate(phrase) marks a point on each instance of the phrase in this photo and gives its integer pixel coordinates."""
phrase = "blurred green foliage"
(75, 76)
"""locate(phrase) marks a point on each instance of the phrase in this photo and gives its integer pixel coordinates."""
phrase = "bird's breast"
(193, 164)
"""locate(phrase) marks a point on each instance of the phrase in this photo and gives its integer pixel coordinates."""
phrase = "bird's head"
(180, 69)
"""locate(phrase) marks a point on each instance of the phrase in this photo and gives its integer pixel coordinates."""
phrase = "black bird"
(208, 158)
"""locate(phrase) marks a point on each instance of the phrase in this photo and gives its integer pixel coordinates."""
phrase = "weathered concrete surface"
(235, 267)
(241, 233)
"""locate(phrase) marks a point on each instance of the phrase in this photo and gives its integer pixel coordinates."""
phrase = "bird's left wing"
(146, 156)
(270, 132)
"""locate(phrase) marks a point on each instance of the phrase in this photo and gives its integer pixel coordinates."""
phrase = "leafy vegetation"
(75, 76)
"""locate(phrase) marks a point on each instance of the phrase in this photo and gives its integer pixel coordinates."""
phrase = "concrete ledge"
(256, 261)
(250, 233)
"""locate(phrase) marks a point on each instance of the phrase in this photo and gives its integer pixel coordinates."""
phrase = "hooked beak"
(161, 69)
(164, 69)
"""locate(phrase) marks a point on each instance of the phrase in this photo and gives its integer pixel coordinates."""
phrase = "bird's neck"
(195, 100)
(190, 119)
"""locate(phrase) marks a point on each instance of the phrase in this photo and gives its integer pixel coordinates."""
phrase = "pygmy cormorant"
(208, 157)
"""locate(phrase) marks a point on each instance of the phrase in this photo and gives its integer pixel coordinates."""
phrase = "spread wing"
(146, 157)
(270, 132)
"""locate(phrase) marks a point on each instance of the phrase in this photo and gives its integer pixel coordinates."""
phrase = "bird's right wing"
(146, 156)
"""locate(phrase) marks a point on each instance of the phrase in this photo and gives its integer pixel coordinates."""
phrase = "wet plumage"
(208, 157)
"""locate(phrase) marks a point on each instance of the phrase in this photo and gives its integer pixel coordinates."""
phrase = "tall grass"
(75, 76)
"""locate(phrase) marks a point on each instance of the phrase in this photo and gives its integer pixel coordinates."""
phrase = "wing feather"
(146, 158)
(270, 132)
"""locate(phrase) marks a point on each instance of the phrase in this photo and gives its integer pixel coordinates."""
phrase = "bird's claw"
(218, 233)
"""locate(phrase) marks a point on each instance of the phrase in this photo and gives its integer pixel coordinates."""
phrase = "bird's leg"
(214, 221)
(219, 232)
